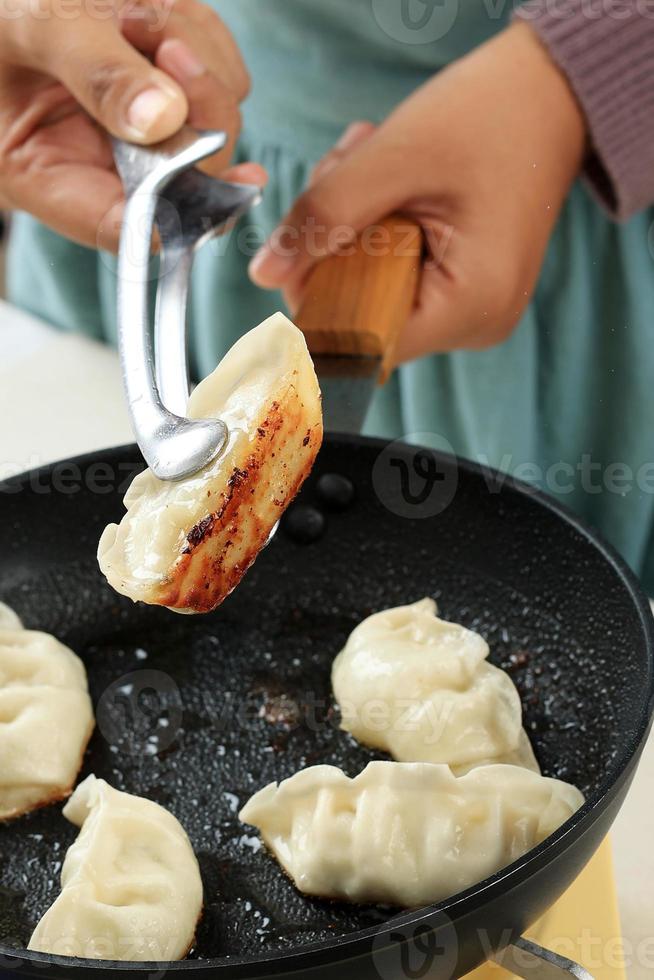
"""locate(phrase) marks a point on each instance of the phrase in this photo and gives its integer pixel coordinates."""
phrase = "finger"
(148, 26)
(118, 86)
(368, 184)
(57, 164)
(228, 63)
(440, 316)
(82, 203)
(211, 104)
(460, 307)
(246, 173)
(49, 128)
(355, 133)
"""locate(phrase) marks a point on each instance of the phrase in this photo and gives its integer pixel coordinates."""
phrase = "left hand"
(482, 156)
(66, 82)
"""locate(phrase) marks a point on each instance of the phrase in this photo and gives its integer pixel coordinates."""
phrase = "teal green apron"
(567, 402)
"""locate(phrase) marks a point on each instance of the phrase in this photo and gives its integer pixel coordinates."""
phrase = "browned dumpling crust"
(186, 545)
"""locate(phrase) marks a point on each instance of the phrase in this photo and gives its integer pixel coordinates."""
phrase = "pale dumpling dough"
(8, 618)
(406, 834)
(420, 688)
(46, 720)
(131, 885)
(187, 544)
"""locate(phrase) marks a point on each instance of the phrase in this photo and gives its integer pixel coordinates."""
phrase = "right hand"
(482, 157)
(140, 71)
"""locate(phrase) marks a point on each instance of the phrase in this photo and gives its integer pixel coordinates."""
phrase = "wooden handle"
(357, 303)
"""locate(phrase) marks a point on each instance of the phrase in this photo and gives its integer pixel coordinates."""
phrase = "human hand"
(138, 70)
(482, 156)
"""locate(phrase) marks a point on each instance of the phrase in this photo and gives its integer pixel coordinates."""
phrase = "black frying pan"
(244, 695)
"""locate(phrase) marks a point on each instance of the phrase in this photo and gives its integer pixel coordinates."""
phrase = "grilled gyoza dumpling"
(421, 689)
(187, 544)
(405, 834)
(131, 886)
(46, 720)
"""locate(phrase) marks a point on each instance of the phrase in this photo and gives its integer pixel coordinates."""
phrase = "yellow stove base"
(584, 925)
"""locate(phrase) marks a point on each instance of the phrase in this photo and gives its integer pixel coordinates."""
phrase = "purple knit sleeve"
(606, 49)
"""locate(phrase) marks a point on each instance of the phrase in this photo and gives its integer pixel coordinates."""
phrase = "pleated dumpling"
(131, 885)
(46, 720)
(187, 544)
(421, 689)
(405, 834)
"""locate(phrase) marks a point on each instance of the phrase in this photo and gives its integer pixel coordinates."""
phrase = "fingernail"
(352, 135)
(269, 268)
(148, 111)
(185, 62)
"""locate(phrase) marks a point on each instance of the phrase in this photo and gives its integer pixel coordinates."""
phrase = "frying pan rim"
(358, 943)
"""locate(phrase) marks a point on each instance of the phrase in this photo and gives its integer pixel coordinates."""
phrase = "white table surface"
(61, 395)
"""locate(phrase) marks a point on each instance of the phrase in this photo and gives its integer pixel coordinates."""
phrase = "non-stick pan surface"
(198, 713)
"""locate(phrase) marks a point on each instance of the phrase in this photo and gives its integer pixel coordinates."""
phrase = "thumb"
(345, 197)
(114, 83)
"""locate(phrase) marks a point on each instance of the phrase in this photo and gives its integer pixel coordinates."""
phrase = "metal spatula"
(163, 188)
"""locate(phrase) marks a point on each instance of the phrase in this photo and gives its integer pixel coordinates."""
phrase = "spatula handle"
(357, 303)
